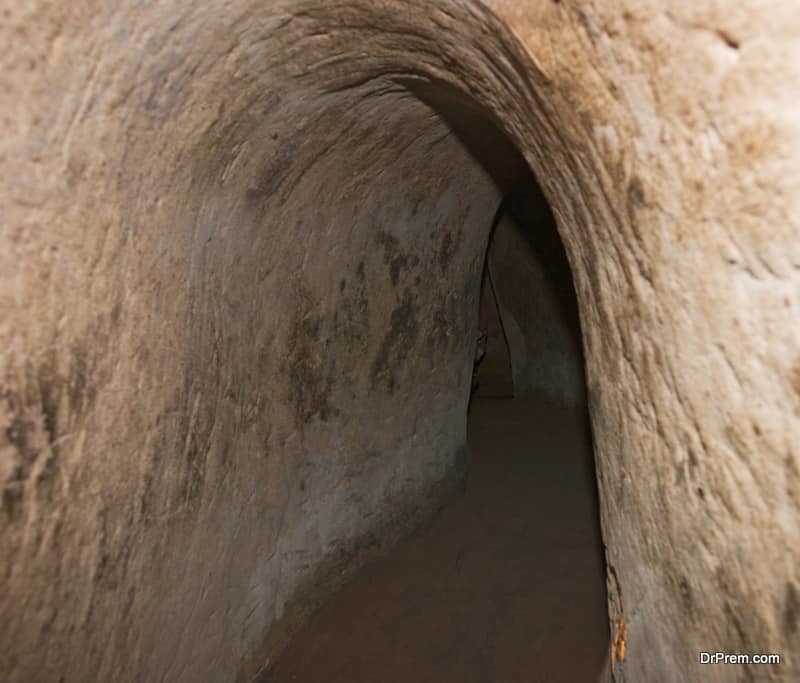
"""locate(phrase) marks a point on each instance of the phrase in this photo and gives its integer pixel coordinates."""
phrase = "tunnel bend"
(288, 252)
(204, 355)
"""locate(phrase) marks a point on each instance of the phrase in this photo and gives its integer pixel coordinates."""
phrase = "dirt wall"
(239, 260)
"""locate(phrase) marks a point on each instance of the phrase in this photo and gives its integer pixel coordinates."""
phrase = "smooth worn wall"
(236, 303)
(239, 264)
(534, 290)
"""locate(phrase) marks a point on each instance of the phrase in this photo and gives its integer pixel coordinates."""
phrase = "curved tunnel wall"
(241, 245)
(533, 289)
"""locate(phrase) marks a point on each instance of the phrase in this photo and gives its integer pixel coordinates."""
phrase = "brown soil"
(506, 585)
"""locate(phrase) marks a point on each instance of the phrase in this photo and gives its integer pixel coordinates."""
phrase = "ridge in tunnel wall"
(239, 267)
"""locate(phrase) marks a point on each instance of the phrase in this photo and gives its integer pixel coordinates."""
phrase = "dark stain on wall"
(113, 556)
(195, 464)
(184, 428)
(446, 330)
(30, 419)
(393, 257)
(81, 391)
(398, 342)
(272, 176)
(146, 504)
(51, 387)
(791, 609)
(188, 425)
(447, 250)
(311, 373)
(389, 243)
(636, 193)
(351, 319)
(19, 434)
(687, 598)
(396, 266)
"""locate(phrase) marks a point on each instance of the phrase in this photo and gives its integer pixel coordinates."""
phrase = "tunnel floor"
(506, 584)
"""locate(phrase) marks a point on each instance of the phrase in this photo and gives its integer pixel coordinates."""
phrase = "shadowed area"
(506, 584)
(241, 252)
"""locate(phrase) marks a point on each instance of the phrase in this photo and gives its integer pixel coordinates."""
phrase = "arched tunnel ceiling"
(239, 257)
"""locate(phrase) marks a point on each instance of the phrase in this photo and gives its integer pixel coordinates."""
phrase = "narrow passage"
(506, 585)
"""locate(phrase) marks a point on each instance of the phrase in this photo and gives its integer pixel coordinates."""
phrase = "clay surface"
(240, 252)
(482, 593)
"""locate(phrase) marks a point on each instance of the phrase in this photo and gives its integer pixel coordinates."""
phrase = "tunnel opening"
(531, 340)
(524, 533)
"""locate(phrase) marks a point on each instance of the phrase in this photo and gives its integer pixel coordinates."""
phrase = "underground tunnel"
(484, 592)
(242, 247)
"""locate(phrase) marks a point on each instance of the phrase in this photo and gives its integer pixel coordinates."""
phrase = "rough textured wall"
(674, 175)
(235, 342)
(534, 289)
(239, 258)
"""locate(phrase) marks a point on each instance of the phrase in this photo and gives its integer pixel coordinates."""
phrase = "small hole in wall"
(728, 39)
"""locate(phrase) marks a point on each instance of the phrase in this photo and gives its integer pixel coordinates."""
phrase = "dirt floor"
(505, 586)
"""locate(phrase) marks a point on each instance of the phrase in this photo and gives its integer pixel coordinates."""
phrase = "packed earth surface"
(242, 253)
